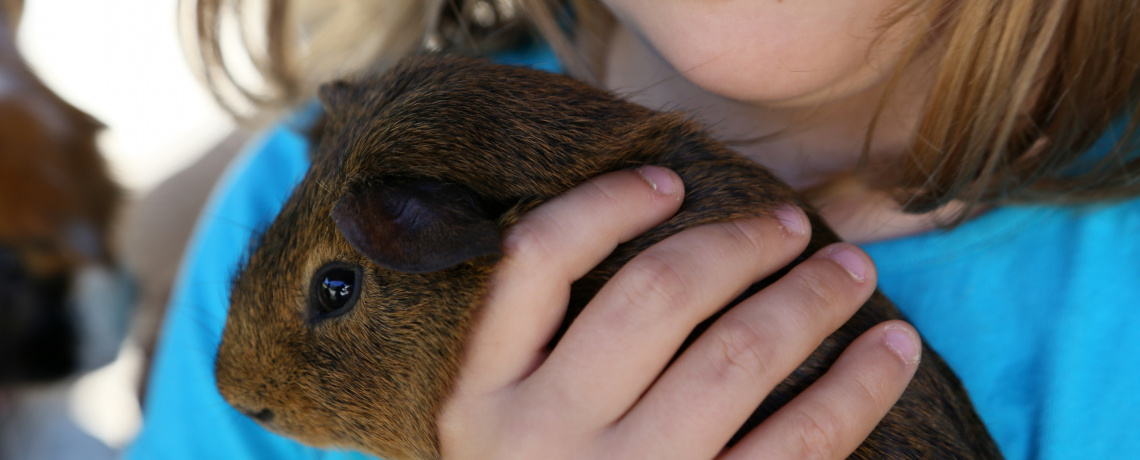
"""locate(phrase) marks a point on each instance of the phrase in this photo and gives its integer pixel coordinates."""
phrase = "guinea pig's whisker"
(218, 409)
(210, 325)
(198, 348)
(676, 75)
(219, 218)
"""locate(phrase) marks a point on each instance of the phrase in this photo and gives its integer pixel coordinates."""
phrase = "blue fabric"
(536, 55)
(1035, 307)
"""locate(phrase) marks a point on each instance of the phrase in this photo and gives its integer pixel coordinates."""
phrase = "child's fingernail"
(657, 178)
(849, 260)
(792, 220)
(902, 343)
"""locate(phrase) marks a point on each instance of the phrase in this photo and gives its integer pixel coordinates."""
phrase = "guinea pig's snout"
(247, 381)
(250, 402)
(249, 405)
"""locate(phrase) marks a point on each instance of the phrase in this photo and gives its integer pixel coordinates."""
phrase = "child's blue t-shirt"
(1037, 308)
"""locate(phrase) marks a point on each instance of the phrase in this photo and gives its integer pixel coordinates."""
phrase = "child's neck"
(808, 146)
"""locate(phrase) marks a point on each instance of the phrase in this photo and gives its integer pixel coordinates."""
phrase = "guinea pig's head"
(347, 322)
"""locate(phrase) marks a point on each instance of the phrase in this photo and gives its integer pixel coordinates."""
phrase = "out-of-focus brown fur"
(374, 378)
(49, 182)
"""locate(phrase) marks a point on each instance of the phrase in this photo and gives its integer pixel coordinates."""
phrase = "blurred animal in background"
(63, 303)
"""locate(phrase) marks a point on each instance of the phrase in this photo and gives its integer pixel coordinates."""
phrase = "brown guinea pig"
(346, 326)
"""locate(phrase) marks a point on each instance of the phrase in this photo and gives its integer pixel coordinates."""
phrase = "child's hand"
(601, 392)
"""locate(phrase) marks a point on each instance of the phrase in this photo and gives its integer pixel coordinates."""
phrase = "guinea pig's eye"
(335, 290)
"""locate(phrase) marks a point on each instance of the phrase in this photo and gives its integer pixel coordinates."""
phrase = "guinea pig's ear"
(334, 95)
(416, 227)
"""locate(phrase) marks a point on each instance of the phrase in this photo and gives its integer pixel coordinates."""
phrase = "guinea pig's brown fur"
(417, 174)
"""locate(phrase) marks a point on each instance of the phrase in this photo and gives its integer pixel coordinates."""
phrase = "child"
(897, 117)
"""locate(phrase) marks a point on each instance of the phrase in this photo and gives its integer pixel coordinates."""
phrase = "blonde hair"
(1024, 88)
(262, 58)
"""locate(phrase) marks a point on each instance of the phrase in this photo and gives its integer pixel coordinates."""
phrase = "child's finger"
(547, 250)
(716, 384)
(833, 416)
(628, 333)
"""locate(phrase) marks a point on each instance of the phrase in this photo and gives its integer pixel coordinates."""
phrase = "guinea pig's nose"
(263, 415)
